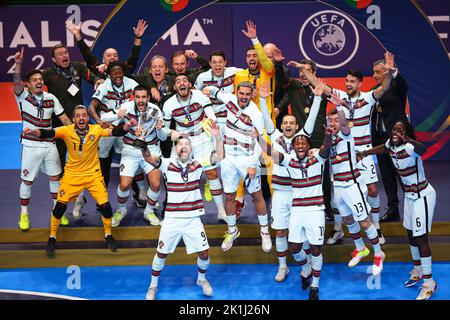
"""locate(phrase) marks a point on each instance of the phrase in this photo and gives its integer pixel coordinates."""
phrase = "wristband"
(138, 37)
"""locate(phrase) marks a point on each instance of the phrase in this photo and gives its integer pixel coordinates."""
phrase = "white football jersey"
(224, 83)
(306, 176)
(343, 160)
(187, 114)
(111, 97)
(357, 111)
(36, 113)
(409, 167)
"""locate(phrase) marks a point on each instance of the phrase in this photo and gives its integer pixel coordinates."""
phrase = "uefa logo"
(329, 38)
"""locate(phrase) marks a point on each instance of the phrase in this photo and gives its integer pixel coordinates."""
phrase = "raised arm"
(211, 91)
(327, 143)
(311, 121)
(277, 157)
(381, 149)
(309, 75)
(220, 153)
(65, 119)
(265, 62)
(263, 94)
(18, 86)
(94, 105)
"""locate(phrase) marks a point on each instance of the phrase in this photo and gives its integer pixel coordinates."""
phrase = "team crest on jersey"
(161, 244)
(329, 38)
(25, 172)
(91, 137)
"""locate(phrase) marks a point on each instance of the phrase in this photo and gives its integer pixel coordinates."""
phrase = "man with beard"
(110, 54)
(184, 207)
(189, 108)
(132, 159)
(82, 169)
(241, 159)
(36, 107)
(420, 201)
(282, 142)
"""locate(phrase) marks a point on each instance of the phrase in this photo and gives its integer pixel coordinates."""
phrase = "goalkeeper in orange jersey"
(82, 170)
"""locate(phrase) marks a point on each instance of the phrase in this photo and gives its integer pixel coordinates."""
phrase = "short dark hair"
(141, 88)
(115, 64)
(32, 73)
(244, 84)
(181, 74)
(298, 136)
(311, 63)
(57, 46)
(219, 53)
(332, 112)
(356, 73)
(181, 138)
(249, 48)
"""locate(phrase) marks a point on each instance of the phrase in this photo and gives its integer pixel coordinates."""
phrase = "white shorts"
(235, 168)
(281, 209)
(106, 143)
(352, 200)
(306, 226)
(368, 171)
(202, 147)
(190, 229)
(418, 213)
(45, 159)
(133, 163)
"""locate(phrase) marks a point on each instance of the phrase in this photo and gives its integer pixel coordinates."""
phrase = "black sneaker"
(314, 293)
(306, 281)
(391, 215)
(139, 203)
(111, 243)
(51, 243)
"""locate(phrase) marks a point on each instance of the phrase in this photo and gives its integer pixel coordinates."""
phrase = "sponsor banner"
(39, 28)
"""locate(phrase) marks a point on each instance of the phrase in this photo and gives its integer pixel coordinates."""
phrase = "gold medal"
(338, 158)
(306, 110)
(379, 109)
(186, 121)
(350, 124)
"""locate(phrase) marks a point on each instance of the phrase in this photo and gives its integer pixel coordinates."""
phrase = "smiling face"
(116, 74)
(333, 123)
(110, 55)
(289, 126)
(180, 64)
(184, 149)
(218, 64)
(398, 129)
(301, 146)
(252, 60)
(158, 70)
(303, 79)
(244, 95)
(182, 86)
(352, 85)
(80, 119)
(61, 57)
(36, 84)
(378, 73)
(141, 98)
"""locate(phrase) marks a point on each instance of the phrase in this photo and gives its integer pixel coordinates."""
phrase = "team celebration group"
(256, 129)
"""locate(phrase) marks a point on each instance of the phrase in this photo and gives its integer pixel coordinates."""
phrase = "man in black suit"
(389, 109)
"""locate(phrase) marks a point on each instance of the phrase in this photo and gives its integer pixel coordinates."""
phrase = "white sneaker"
(281, 274)
(381, 237)
(335, 237)
(378, 264)
(118, 216)
(151, 293)
(266, 242)
(77, 209)
(222, 216)
(229, 238)
(416, 276)
(206, 287)
(427, 290)
(357, 256)
(152, 218)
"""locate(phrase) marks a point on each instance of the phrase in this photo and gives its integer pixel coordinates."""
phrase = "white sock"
(337, 222)
(216, 191)
(281, 245)
(25, 195)
(374, 203)
(157, 266)
(203, 266)
(122, 197)
(316, 266)
(264, 223)
(231, 222)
